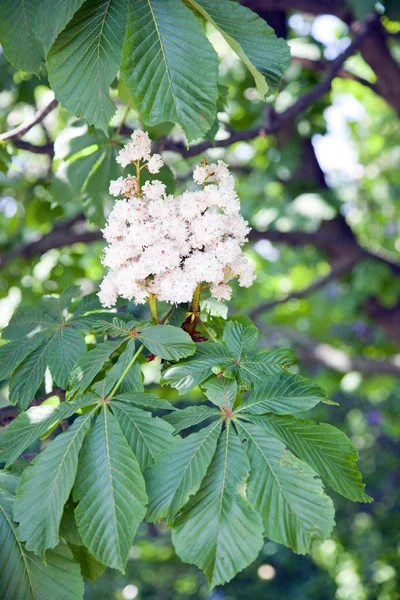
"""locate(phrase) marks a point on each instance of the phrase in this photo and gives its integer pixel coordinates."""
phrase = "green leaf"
(168, 342)
(132, 382)
(169, 66)
(220, 391)
(253, 40)
(66, 347)
(90, 567)
(254, 369)
(283, 394)
(15, 352)
(85, 58)
(33, 423)
(29, 375)
(53, 17)
(111, 493)
(239, 339)
(189, 374)
(146, 435)
(287, 493)
(17, 34)
(90, 364)
(87, 304)
(23, 576)
(145, 401)
(9, 482)
(218, 530)
(178, 472)
(26, 320)
(45, 487)
(190, 416)
(326, 449)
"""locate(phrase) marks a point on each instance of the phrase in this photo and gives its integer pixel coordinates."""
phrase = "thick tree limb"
(334, 358)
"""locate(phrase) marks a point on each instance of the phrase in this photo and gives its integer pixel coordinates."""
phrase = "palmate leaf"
(218, 530)
(169, 66)
(220, 391)
(23, 576)
(253, 40)
(178, 473)
(239, 339)
(33, 423)
(253, 369)
(146, 435)
(145, 400)
(283, 394)
(133, 380)
(286, 492)
(15, 352)
(85, 58)
(326, 449)
(17, 34)
(65, 349)
(190, 416)
(110, 492)
(45, 487)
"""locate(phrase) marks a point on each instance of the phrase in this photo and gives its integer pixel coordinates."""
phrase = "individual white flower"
(154, 189)
(221, 291)
(200, 174)
(116, 186)
(155, 163)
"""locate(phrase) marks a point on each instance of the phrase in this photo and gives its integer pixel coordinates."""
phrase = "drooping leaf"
(190, 416)
(52, 18)
(168, 342)
(110, 492)
(220, 391)
(17, 34)
(65, 349)
(26, 320)
(253, 40)
(287, 492)
(91, 363)
(45, 487)
(188, 374)
(146, 435)
(29, 375)
(90, 567)
(218, 530)
(33, 423)
(15, 352)
(169, 66)
(239, 339)
(23, 576)
(178, 473)
(85, 58)
(326, 449)
(283, 394)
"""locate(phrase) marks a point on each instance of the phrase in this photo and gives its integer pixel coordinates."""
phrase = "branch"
(21, 130)
(339, 269)
(64, 233)
(315, 7)
(9, 413)
(334, 358)
(319, 65)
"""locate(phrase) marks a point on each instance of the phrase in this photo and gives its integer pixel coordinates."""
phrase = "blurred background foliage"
(322, 195)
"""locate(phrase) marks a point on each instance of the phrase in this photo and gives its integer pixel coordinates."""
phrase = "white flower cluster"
(167, 245)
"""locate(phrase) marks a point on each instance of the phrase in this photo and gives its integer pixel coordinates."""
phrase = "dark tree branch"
(334, 358)
(319, 65)
(314, 7)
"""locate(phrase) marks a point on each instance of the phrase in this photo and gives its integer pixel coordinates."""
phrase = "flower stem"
(138, 169)
(125, 373)
(152, 300)
(196, 300)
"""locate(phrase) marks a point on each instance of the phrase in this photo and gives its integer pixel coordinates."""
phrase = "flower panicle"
(166, 245)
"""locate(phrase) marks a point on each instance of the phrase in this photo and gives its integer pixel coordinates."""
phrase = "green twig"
(125, 373)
